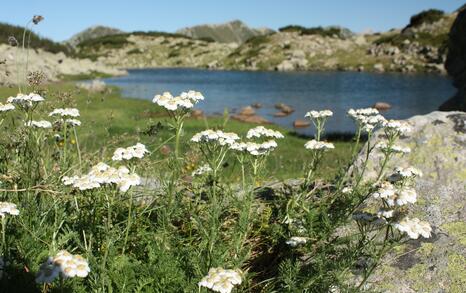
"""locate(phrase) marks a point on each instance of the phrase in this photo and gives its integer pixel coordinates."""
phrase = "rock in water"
(456, 63)
(247, 111)
(382, 106)
(438, 144)
(300, 123)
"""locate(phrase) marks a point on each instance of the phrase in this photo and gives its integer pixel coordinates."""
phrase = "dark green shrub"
(427, 16)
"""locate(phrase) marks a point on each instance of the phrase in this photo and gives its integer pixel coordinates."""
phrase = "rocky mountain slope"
(92, 33)
(231, 32)
(419, 47)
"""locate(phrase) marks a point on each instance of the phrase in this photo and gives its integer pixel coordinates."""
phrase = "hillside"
(35, 41)
(92, 33)
(231, 32)
(419, 47)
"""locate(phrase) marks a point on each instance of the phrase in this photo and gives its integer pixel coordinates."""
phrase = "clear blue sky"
(63, 18)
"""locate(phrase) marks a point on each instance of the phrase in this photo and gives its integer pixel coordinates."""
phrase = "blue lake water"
(409, 95)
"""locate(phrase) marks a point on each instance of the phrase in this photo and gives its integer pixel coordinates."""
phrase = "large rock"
(438, 144)
(456, 63)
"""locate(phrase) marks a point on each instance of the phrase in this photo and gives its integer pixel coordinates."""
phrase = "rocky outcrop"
(231, 32)
(456, 63)
(92, 33)
(53, 66)
(438, 144)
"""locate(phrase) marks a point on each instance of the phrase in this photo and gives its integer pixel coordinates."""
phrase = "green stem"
(77, 146)
(128, 223)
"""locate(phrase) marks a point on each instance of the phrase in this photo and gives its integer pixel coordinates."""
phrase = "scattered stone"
(256, 119)
(281, 114)
(379, 67)
(300, 123)
(256, 105)
(247, 111)
(382, 106)
(284, 108)
(197, 114)
(96, 85)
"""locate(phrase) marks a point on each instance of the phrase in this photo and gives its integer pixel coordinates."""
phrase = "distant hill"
(92, 33)
(231, 32)
(8, 30)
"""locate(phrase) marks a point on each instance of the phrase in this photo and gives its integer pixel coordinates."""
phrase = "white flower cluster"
(296, 240)
(8, 208)
(65, 265)
(217, 136)
(383, 146)
(318, 145)
(261, 131)
(65, 112)
(319, 114)
(102, 174)
(6, 107)
(414, 228)
(347, 190)
(395, 196)
(201, 170)
(221, 280)
(25, 101)
(367, 118)
(73, 122)
(398, 127)
(255, 149)
(39, 124)
(136, 151)
(404, 173)
(186, 100)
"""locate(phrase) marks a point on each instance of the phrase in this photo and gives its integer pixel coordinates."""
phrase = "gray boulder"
(456, 63)
(438, 144)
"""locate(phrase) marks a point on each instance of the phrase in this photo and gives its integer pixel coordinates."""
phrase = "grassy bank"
(110, 121)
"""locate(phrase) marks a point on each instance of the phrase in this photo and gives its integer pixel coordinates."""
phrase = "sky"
(63, 18)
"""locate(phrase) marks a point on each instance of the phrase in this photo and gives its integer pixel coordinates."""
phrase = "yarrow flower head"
(26, 101)
(296, 240)
(414, 228)
(6, 107)
(204, 169)
(73, 122)
(319, 114)
(404, 173)
(367, 119)
(255, 149)
(261, 131)
(186, 100)
(318, 145)
(396, 127)
(8, 208)
(215, 136)
(65, 112)
(102, 174)
(65, 265)
(39, 124)
(395, 196)
(136, 151)
(384, 147)
(221, 280)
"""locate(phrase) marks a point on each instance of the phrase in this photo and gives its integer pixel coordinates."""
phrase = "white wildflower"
(414, 228)
(405, 196)
(39, 124)
(217, 136)
(318, 145)
(221, 280)
(6, 107)
(8, 208)
(25, 101)
(73, 122)
(383, 146)
(136, 151)
(296, 240)
(201, 170)
(65, 112)
(261, 131)
(319, 114)
(347, 190)
(397, 126)
(186, 100)
(385, 213)
(69, 180)
(385, 191)
(64, 264)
